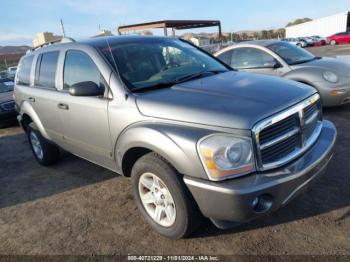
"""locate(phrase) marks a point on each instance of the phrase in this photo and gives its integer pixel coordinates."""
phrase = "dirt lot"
(76, 207)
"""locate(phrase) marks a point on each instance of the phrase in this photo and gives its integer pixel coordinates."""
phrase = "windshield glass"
(148, 62)
(292, 54)
(6, 86)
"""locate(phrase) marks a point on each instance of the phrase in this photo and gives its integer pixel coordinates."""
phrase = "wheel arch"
(29, 115)
(138, 141)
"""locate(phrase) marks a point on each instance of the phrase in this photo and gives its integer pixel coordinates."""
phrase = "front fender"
(27, 109)
(305, 75)
(177, 144)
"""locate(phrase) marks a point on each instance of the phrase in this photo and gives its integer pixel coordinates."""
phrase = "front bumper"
(232, 200)
(328, 99)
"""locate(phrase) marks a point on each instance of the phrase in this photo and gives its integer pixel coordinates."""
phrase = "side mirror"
(273, 64)
(87, 88)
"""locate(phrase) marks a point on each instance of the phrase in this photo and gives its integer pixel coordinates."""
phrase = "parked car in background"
(307, 41)
(329, 76)
(295, 41)
(11, 72)
(340, 38)
(318, 40)
(195, 136)
(3, 74)
(8, 113)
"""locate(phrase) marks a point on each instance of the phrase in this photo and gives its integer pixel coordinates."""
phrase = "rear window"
(45, 72)
(23, 74)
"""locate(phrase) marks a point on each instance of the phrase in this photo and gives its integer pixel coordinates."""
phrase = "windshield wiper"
(197, 75)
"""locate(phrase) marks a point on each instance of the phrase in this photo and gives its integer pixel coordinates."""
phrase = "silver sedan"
(329, 76)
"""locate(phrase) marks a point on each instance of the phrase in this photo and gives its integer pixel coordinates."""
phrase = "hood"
(231, 99)
(7, 96)
(327, 63)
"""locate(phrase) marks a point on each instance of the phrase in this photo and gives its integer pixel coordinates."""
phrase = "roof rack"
(62, 40)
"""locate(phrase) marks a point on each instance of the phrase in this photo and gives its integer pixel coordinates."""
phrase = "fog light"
(262, 203)
(338, 92)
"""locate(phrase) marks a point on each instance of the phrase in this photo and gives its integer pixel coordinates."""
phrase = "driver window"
(79, 67)
(248, 58)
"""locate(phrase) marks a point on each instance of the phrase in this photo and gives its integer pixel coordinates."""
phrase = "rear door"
(44, 96)
(86, 126)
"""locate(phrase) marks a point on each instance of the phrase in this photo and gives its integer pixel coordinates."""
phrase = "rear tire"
(45, 152)
(152, 174)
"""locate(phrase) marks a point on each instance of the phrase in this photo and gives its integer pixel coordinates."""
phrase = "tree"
(299, 21)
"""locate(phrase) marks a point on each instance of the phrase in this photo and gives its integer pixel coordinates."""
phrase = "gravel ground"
(76, 207)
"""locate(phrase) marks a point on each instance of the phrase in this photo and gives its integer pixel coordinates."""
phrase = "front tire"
(45, 152)
(162, 197)
(333, 42)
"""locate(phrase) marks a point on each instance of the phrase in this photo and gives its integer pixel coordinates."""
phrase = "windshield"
(291, 54)
(6, 86)
(147, 62)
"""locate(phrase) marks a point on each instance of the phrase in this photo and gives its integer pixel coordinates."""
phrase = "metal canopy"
(173, 24)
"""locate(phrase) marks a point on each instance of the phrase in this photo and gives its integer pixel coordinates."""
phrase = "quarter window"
(45, 73)
(79, 67)
(246, 58)
(23, 74)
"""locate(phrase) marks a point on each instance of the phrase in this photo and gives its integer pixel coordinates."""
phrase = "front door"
(85, 119)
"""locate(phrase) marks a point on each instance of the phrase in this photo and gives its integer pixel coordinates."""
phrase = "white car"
(295, 41)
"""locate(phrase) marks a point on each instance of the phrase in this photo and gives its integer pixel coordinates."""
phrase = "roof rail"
(62, 40)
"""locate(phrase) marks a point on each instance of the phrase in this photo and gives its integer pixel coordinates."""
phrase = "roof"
(176, 24)
(101, 41)
(259, 42)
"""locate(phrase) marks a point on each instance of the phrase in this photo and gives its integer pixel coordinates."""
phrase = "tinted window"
(79, 67)
(23, 75)
(245, 58)
(46, 70)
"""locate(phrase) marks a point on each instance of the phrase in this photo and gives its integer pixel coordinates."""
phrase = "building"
(103, 33)
(324, 27)
(45, 37)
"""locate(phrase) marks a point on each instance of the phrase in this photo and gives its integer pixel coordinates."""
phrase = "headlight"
(330, 77)
(225, 156)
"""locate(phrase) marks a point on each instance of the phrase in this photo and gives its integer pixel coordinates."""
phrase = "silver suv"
(196, 137)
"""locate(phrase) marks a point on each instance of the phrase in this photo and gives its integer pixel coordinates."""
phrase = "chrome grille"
(8, 106)
(285, 136)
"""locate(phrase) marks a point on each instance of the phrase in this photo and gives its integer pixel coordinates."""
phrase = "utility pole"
(62, 28)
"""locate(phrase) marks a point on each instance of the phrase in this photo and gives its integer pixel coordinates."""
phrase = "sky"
(22, 19)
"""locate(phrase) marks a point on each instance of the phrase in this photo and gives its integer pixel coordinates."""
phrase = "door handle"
(31, 99)
(63, 106)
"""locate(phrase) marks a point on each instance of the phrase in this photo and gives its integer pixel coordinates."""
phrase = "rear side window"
(79, 67)
(45, 72)
(247, 58)
(23, 74)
